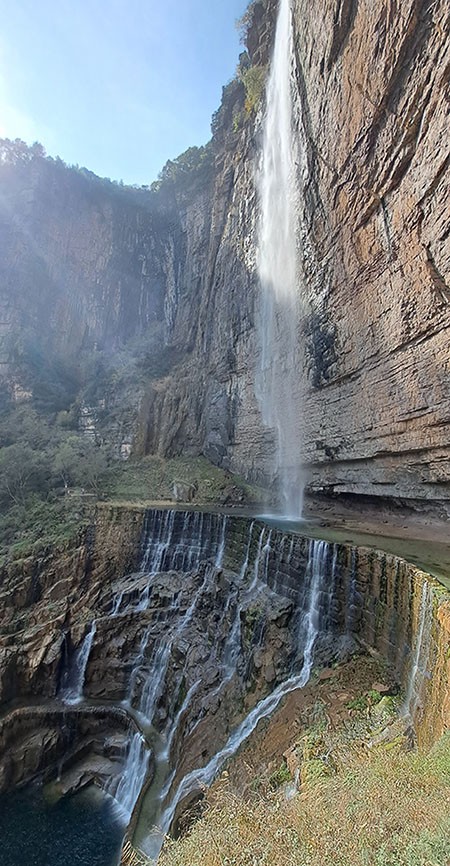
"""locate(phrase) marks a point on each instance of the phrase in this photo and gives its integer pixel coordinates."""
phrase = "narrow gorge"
(227, 566)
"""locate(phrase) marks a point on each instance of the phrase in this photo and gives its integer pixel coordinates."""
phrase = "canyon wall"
(178, 264)
(199, 616)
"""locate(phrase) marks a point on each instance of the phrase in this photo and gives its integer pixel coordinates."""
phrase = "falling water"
(73, 692)
(277, 378)
(133, 775)
(318, 552)
(173, 540)
(156, 676)
(315, 577)
(421, 651)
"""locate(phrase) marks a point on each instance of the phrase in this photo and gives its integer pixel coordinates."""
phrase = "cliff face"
(372, 121)
(193, 631)
(374, 87)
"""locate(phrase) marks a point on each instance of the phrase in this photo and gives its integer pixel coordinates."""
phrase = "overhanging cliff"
(113, 264)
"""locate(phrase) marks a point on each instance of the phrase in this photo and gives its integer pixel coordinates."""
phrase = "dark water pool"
(77, 831)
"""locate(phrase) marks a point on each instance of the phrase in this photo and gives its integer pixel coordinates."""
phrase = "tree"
(78, 461)
(22, 471)
(67, 460)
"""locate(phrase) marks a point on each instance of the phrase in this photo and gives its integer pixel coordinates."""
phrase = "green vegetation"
(254, 79)
(194, 162)
(40, 459)
(279, 777)
(365, 701)
(27, 529)
(151, 478)
(381, 809)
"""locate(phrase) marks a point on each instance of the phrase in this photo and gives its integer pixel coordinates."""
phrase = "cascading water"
(72, 693)
(277, 378)
(312, 622)
(133, 775)
(421, 653)
(173, 541)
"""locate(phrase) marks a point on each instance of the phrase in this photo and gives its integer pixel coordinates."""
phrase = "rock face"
(372, 86)
(198, 617)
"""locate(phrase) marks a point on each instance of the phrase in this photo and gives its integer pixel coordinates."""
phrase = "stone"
(381, 688)
(326, 674)
(375, 274)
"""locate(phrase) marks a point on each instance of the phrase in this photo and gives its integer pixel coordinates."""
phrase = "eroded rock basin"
(82, 830)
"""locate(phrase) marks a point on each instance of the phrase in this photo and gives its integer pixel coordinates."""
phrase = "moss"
(150, 479)
(280, 777)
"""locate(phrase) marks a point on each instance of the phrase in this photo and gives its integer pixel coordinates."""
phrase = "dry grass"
(387, 808)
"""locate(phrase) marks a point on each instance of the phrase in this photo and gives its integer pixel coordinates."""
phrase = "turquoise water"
(82, 830)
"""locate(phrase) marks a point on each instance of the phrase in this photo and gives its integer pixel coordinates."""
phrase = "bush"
(253, 79)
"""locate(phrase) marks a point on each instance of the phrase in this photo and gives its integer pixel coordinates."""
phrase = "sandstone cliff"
(110, 264)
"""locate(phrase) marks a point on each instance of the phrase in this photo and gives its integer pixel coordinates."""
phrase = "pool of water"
(83, 830)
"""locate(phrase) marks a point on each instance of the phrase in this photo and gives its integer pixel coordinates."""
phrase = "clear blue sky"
(118, 86)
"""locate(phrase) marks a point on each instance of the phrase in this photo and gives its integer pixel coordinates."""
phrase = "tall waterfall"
(278, 375)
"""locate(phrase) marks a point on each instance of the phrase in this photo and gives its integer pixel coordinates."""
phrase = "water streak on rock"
(72, 693)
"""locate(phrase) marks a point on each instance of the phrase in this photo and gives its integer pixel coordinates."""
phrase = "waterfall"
(133, 775)
(174, 725)
(174, 540)
(421, 651)
(278, 374)
(221, 550)
(72, 693)
(315, 578)
(156, 676)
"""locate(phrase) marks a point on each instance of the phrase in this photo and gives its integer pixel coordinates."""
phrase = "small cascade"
(203, 777)
(311, 624)
(316, 577)
(244, 566)
(266, 551)
(133, 775)
(277, 379)
(138, 662)
(155, 679)
(256, 564)
(175, 724)
(117, 602)
(179, 541)
(72, 693)
(155, 671)
(174, 540)
(221, 550)
(421, 653)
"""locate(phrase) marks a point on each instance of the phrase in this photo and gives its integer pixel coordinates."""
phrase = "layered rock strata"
(209, 618)
(372, 117)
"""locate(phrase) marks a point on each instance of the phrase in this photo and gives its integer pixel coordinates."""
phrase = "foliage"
(49, 452)
(15, 152)
(279, 777)
(28, 527)
(150, 478)
(253, 78)
(190, 164)
(244, 23)
(383, 809)
(227, 110)
(365, 701)
(22, 470)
